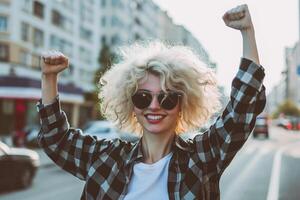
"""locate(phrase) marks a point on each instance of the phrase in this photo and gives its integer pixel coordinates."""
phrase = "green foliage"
(105, 60)
(106, 57)
(288, 108)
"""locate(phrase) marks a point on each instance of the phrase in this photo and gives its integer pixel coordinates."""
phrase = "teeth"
(154, 117)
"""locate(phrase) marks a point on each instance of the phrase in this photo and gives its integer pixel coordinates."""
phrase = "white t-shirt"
(149, 181)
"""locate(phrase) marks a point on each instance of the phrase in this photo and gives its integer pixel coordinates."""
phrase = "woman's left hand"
(238, 18)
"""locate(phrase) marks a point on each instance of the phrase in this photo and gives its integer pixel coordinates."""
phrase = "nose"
(154, 105)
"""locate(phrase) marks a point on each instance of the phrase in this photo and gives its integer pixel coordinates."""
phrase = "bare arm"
(239, 18)
(51, 64)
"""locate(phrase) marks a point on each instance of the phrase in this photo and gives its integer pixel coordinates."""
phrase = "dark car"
(261, 127)
(18, 167)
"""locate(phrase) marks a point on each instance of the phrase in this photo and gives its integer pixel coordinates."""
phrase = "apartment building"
(78, 28)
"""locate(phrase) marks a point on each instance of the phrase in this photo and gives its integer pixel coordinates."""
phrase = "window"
(103, 3)
(85, 55)
(115, 40)
(65, 4)
(57, 18)
(86, 12)
(26, 5)
(4, 52)
(137, 36)
(38, 9)
(3, 24)
(103, 39)
(116, 22)
(103, 21)
(86, 34)
(25, 58)
(38, 37)
(61, 21)
(137, 21)
(25, 31)
(62, 45)
(139, 6)
(35, 61)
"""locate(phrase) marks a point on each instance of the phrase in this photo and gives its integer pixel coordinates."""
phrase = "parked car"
(289, 123)
(130, 137)
(261, 127)
(284, 123)
(106, 130)
(18, 166)
(101, 129)
(295, 123)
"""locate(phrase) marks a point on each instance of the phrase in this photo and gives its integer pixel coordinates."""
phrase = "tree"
(106, 57)
(105, 60)
(289, 108)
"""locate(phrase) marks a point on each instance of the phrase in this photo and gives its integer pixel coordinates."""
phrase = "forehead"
(150, 82)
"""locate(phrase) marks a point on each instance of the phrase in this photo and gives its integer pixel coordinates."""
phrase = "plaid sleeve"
(230, 131)
(66, 146)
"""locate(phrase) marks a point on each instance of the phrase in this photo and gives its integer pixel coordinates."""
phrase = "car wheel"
(25, 178)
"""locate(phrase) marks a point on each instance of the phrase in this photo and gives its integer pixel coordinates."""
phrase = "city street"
(265, 169)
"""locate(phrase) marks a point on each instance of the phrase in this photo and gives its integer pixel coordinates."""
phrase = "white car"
(101, 129)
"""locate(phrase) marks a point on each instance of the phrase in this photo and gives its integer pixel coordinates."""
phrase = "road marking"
(273, 191)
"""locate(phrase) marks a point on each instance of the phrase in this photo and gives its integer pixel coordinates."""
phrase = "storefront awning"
(26, 88)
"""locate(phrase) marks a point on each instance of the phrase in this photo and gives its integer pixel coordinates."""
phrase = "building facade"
(79, 29)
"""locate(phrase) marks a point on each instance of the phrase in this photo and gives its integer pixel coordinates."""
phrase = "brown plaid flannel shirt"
(196, 165)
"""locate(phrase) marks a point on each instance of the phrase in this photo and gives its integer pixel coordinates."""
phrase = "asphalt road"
(265, 169)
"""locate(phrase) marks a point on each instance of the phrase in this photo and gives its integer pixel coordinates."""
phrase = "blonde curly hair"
(179, 69)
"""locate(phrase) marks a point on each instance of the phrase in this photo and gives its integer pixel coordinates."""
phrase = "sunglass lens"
(141, 100)
(168, 101)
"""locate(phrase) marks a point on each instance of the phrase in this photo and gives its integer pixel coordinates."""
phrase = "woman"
(157, 91)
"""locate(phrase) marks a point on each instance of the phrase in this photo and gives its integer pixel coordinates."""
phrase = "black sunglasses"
(167, 100)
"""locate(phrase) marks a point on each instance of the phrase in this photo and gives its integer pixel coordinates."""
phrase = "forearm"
(49, 88)
(249, 45)
(247, 100)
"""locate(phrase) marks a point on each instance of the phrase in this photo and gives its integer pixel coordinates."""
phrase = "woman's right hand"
(53, 62)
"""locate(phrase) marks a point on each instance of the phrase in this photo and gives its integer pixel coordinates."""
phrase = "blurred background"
(89, 32)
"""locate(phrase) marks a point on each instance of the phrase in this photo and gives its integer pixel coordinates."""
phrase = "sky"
(276, 25)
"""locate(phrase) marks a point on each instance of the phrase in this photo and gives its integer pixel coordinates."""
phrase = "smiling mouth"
(154, 118)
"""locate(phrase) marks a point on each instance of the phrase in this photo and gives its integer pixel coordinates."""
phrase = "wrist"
(248, 32)
(49, 77)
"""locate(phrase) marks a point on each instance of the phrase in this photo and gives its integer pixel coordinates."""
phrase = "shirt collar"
(136, 153)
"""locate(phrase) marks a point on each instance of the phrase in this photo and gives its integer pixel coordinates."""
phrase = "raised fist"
(53, 62)
(238, 18)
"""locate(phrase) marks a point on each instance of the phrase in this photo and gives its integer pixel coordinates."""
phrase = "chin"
(156, 130)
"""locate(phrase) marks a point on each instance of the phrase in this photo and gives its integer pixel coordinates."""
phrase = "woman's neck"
(155, 146)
